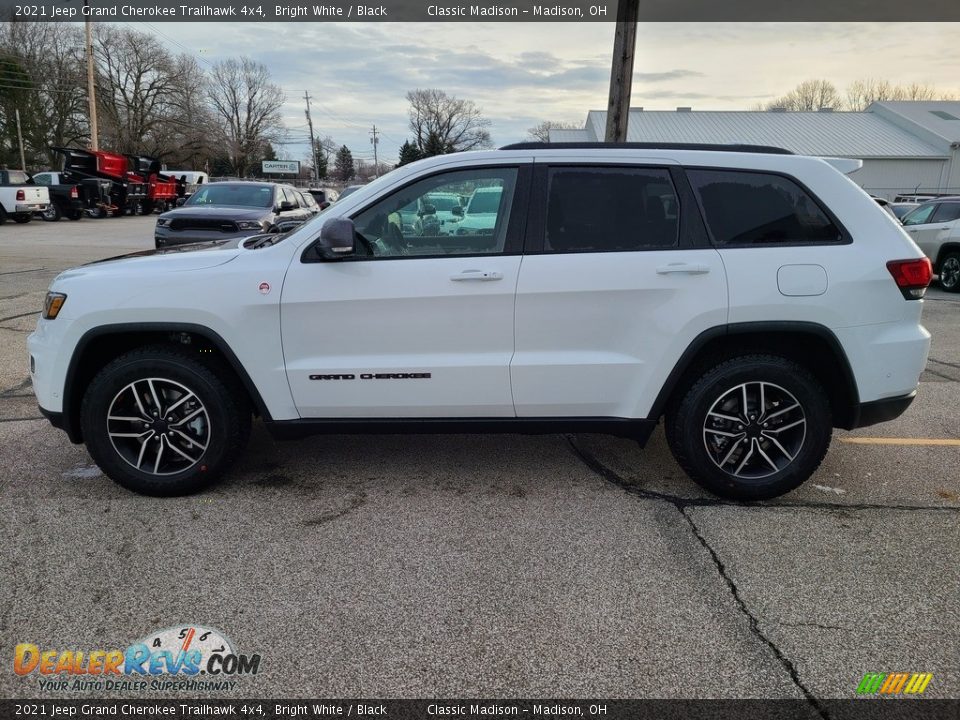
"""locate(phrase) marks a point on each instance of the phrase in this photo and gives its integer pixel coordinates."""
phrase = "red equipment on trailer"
(161, 189)
(125, 193)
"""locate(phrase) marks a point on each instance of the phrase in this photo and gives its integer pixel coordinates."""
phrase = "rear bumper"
(30, 207)
(879, 411)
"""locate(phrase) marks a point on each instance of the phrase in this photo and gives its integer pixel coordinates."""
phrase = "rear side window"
(751, 208)
(604, 209)
(947, 212)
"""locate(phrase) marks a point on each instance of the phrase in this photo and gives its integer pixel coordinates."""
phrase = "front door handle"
(481, 275)
(684, 268)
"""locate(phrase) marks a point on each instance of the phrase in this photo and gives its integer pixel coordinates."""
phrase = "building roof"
(939, 117)
(823, 134)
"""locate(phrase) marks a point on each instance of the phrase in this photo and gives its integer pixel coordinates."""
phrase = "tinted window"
(238, 195)
(610, 209)
(947, 212)
(402, 224)
(921, 215)
(290, 197)
(43, 178)
(748, 208)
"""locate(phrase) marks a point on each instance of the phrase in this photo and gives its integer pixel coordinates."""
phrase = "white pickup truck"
(19, 197)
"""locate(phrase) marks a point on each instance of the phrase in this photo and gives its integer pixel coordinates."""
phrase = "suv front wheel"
(751, 428)
(161, 423)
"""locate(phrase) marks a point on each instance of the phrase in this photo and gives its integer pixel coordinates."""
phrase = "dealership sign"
(282, 167)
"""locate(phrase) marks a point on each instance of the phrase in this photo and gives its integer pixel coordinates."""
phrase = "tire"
(950, 272)
(100, 212)
(3, 216)
(734, 454)
(22, 218)
(52, 213)
(145, 208)
(74, 214)
(208, 432)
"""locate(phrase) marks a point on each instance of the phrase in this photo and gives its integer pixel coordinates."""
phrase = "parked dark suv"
(227, 210)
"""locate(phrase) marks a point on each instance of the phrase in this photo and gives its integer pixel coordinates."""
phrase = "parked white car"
(935, 227)
(19, 197)
(750, 299)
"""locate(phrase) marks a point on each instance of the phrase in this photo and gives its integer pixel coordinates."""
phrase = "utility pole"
(375, 141)
(313, 143)
(621, 72)
(91, 89)
(23, 163)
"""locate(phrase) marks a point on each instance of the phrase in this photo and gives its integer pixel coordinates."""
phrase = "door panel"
(614, 294)
(414, 325)
(403, 316)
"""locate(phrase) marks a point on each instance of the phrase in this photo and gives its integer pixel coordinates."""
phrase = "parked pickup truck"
(67, 199)
(19, 197)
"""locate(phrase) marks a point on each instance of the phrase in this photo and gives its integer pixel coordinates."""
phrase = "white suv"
(752, 298)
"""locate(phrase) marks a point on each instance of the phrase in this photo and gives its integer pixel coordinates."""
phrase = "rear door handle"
(685, 268)
(481, 275)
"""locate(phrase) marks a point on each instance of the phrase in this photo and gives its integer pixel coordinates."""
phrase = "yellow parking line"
(901, 441)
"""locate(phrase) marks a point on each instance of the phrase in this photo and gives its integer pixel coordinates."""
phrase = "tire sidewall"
(96, 404)
(721, 380)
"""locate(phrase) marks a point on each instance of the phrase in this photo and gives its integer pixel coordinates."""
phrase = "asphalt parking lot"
(484, 566)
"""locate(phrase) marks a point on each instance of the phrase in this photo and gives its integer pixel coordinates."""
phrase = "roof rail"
(765, 149)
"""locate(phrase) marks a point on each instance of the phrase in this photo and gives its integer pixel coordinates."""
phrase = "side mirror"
(337, 238)
(458, 211)
(286, 205)
(428, 210)
(325, 204)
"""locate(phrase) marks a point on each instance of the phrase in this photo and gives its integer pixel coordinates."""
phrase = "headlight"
(250, 225)
(163, 222)
(52, 305)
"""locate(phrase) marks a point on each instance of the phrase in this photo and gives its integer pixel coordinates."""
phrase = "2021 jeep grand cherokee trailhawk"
(753, 298)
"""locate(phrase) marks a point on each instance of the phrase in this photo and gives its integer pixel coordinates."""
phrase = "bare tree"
(441, 120)
(862, 93)
(136, 89)
(247, 108)
(41, 74)
(541, 132)
(810, 95)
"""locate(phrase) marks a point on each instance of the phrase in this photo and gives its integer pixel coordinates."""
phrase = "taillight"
(911, 276)
(74, 193)
(21, 195)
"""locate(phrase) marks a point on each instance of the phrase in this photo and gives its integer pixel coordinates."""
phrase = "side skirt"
(638, 430)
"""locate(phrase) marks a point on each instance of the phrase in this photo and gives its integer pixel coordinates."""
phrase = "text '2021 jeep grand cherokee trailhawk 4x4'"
(753, 298)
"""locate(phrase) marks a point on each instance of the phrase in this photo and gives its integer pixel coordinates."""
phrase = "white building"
(905, 146)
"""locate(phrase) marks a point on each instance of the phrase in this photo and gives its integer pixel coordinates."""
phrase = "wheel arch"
(812, 345)
(100, 345)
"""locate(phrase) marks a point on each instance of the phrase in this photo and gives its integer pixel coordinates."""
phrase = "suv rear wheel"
(160, 423)
(950, 272)
(751, 428)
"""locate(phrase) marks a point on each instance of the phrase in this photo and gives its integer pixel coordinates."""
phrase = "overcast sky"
(523, 73)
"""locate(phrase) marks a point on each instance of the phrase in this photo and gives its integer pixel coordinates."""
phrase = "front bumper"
(166, 238)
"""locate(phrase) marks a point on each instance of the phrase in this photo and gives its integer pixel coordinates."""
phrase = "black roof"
(764, 149)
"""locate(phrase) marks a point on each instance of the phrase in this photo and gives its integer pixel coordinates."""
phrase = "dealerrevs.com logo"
(187, 658)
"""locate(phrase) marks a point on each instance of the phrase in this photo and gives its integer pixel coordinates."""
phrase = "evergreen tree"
(344, 163)
(408, 153)
(435, 145)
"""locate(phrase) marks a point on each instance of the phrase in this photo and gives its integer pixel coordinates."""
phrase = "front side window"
(921, 215)
(465, 212)
(754, 208)
(596, 209)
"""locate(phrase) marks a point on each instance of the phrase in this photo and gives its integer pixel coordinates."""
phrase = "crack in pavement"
(681, 505)
(21, 315)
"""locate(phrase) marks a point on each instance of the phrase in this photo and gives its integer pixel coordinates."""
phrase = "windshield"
(485, 202)
(258, 196)
(443, 202)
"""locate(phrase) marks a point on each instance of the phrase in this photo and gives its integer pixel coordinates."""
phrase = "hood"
(178, 258)
(219, 212)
